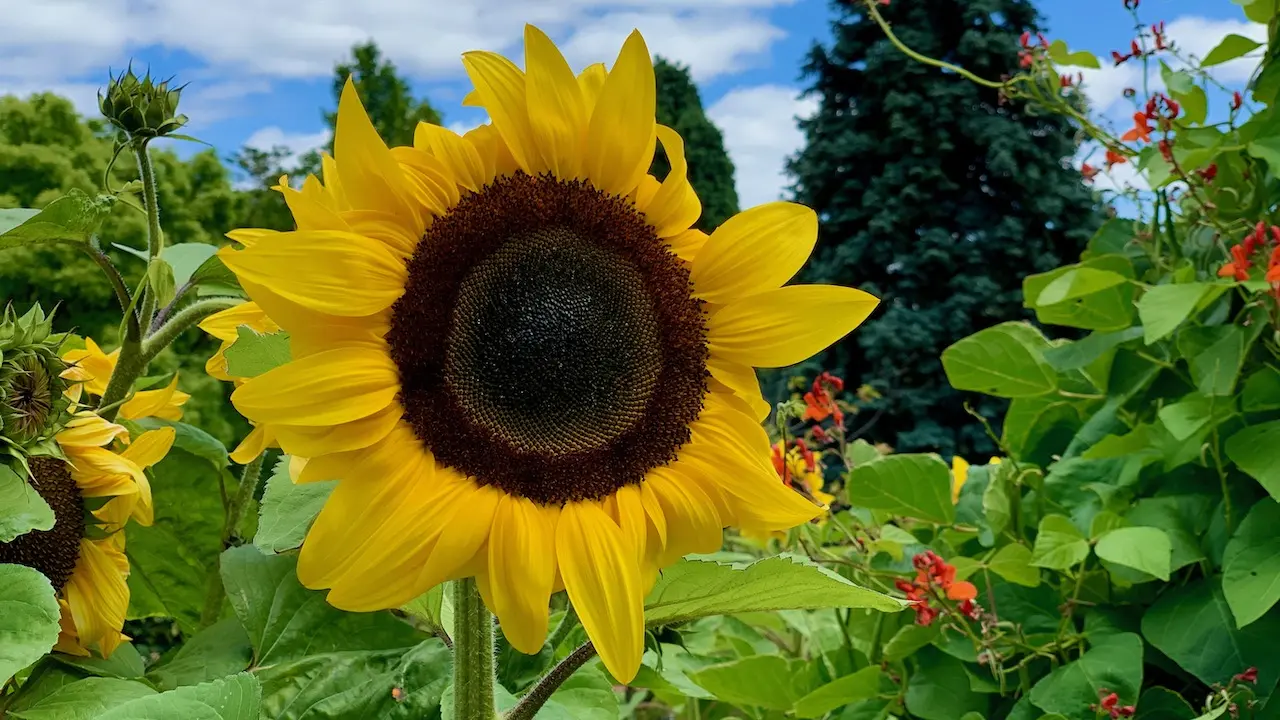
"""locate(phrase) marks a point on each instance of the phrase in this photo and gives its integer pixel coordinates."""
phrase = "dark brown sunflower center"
(53, 552)
(547, 341)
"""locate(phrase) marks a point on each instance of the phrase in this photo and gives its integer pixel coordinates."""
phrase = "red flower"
(820, 403)
(1025, 40)
(1209, 173)
(1238, 268)
(1114, 158)
(1140, 130)
(1250, 676)
(1166, 150)
(1110, 700)
(1088, 171)
(1025, 60)
(1118, 58)
(1134, 50)
(1158, 31)
(1236, 101)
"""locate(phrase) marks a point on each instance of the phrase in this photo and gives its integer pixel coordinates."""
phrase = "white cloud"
(760, 132)
(298, 144)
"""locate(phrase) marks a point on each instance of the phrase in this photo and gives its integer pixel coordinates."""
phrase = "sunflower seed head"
(33, 404)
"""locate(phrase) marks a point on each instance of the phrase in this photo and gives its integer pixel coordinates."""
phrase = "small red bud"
(1236, 100)
(1025, 40)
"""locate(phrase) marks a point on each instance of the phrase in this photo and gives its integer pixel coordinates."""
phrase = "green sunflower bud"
(33, 406)
(141, 107)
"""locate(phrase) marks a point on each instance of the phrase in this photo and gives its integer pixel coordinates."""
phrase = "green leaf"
(844, 691)
(1256, 450)
(1164, 307)
(288, 509)
(586, 695)
(1251, 564)
(255, 353)
(213, 277)
(219, 650)
(1159, 703)
(1231, 47)
(186, 258)
(74, 217)
(1177, 82)
(1186, 417)
(917, 486)
(11, 218)
(908, 640)
(28, 617)
(1081, 58)
(1216, 367)
(1078, 282)
(171, 560)
(21, 507)
(238, 697)
(1005, 360)
(191, 439)
(434, 606)
(1084, 352)
(1195, 106)
(1059, 544)
(1261, 391)
(1110, 309)
(1013, 563)
(1145, 549)
(691, 589)
(940, 688)
(1114, 664)
(124, 663)
(1266, 149)
(87, 699)
(316, 660)
(160, 280)
(1193, 625)
(766, 681)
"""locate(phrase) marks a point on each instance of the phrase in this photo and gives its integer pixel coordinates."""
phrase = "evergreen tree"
(935, 196)
(710, 169)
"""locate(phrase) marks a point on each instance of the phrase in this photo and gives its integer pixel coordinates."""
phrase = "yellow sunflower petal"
(93, 367)
(150, 447)
(601, 575)
(653, 510)
(687, 244)
(164, 403)
(309, 212)
(756, 250)
(744, 383)
(521, 569)
(311, 331)
(500, 87)
(371, 178)
(248, 237)
(557, 112)
(313, 441)
(430, 182)
(225, 325)
(86, 429)
(675, 206)
(497, 157)
(591, 80)
(621, 134)
(329, 271)
(253, 445)
(784, 326)
(386, 229)
(333, 183)
(98, 472)
(457, 153)
(627, 509)
(331, 387)
(959, 474)
(98, 595)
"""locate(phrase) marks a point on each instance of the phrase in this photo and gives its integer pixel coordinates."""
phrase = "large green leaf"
(767, 681)
(1059, 544)
(1256, 450)
(1013, 563)
(1113, 664)
(917, 486)
(843, 691)
(72, 217)
(1146, 549)
(1193, 625)
(186, 258)
(1075, 283)
(1084, 352)
(940, 688)
(1251, 564)
(1261, 391)
(1108, 309)
(288, 509)
(255, 353)
(219, 650)
(1005, 360)
(1164, 307)
(21, 507)
(238, 697)
(1231, 47)
(314, 658)
(691, 589)
(28, 617)
(172, 560)
(87, 699)
(1216, 356)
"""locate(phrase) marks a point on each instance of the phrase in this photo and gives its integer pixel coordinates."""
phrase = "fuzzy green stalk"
(473, 668)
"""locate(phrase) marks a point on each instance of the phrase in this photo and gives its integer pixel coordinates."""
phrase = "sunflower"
(519, 359)
(90, 371)
(225, 326)
(98, 487)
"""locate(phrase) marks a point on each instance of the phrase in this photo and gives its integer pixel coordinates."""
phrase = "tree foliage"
(710, 169)
(935, 196)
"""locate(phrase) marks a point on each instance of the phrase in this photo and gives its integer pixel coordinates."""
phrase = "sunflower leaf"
(288, 509)
(693, 589)
(74, 217)
(238, 697)
(28, 617)
(21, 507)
(254, 353)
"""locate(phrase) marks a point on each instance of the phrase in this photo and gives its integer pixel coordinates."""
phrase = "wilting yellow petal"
(621, 134)
(675, 206)
(98, 595)
(500, 87)
(521, 567)
(754, 251)
(333, 272)
(781, 327)
(557, 112)
(331, 387)
(598, 564)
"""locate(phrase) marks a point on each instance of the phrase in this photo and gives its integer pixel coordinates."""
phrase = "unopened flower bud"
(141, 108)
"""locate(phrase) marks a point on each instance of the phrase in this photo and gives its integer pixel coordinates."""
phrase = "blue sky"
(260, 71)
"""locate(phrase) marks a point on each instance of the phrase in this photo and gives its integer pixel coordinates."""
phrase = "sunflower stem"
(537, 696)
(473, 654)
